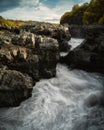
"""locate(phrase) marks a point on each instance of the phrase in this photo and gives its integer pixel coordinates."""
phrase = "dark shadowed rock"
(14, 87)
(82, 31)
(61, 33)
(26, 55)
(35, 62)
(90, 54)
(78, 31)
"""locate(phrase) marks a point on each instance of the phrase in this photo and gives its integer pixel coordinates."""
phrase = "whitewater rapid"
(74, 42)
(70, 101)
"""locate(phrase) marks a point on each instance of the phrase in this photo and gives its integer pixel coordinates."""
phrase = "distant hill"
(18, 23)
(88, 13)
(11, 23)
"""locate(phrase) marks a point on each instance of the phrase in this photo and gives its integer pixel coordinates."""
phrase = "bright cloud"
(38, 11)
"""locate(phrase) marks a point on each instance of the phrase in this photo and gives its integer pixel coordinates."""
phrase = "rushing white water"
(70, 101)
(74, 42)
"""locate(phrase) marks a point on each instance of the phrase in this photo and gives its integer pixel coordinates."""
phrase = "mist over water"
(70, 101)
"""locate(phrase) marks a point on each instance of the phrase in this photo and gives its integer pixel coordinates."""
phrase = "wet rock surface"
(61, 33)
(14, 87)
(30, 54)
(81, 31)
(90, 54)
(78, 31)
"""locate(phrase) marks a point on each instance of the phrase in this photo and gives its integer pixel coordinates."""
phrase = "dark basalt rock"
(30, 53)
(14, 87)
(29, 57)
(82, 31)
(90, 54)
(35, 61)
(78, 31)
(61, 33)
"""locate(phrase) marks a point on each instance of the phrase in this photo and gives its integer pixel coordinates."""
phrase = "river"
(70, 101)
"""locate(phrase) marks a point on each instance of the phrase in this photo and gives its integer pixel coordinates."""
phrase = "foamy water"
(70, 101)
(74, 42)
(61, 103)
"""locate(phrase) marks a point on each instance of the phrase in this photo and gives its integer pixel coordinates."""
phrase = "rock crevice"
(30, 55)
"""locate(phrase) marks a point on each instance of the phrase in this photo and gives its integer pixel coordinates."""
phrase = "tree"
(75, 16)
(101, 20)
(94, 12)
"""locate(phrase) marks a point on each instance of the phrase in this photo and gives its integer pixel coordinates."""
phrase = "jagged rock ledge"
(14, 87)
(89, 55)
(61, 33)
(26, 56)
(81, 31)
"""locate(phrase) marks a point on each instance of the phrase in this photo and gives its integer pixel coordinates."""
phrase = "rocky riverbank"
(31, 52)
(89, 55)
(81, 31)
(28, 54)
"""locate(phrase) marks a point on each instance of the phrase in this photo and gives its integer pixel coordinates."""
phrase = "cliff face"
(90, 54)
(27, 54)
(14, 87)
(61, 33)
(82, 31)
(78, 31)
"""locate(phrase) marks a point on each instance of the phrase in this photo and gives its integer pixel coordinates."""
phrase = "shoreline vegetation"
(88, 13)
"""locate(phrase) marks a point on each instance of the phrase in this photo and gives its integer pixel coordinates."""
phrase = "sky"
(37, 10)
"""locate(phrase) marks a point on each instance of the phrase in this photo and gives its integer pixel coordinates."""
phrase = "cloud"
(39, 10)
(30, 10)
(8, 4)
(84, 1)
(63, 6)
(30, 3)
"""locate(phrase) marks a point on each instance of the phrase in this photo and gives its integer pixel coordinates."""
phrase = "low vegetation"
(18, 23)
(11, 23)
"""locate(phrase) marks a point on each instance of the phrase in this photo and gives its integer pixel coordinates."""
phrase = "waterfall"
(74, 42)
(73, 100)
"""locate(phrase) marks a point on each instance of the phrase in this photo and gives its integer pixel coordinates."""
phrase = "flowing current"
(70, 101)
(74, 42)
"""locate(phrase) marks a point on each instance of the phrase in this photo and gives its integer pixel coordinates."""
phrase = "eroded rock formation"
(29, 55)
(14, 87)
(90, 54)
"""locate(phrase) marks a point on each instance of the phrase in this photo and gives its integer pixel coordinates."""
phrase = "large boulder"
(78, 31)
(63, 36)
(30, 55)
(61, 33)
(45, 48)
(14, 87)
(38, 62)
(90, 54)
(21, 59)
(82, 31)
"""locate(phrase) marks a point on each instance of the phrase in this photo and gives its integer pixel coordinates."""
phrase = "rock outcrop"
(78, 31)
(60, 33)
(28, 57)
(90, 54)
(14, 87)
